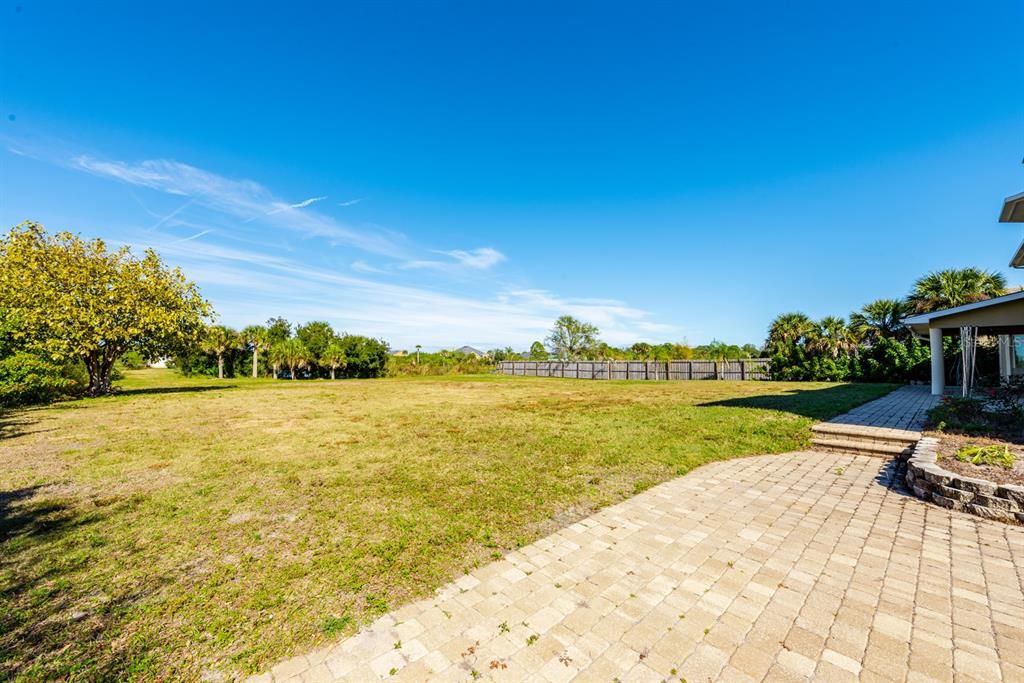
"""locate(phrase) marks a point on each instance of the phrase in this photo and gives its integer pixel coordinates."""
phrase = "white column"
(938, 362)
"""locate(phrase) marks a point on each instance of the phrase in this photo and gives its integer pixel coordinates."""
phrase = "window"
(1018, 353)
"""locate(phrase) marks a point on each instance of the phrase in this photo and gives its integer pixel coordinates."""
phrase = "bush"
(367, 357)
(997, 454)
(26, 378)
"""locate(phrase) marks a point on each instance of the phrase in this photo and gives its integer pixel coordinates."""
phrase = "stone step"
(860, 447)
(832, 430)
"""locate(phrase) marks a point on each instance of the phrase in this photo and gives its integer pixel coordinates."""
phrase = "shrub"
(996, 454)
(964, 414)
(27, 378)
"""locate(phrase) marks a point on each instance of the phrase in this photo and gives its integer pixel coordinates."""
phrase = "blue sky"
(452, 173)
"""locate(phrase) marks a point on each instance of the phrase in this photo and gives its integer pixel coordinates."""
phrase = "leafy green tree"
(571, 339)
(292, 354)
(317, 336)
(538, 352)
(257, 338)
(366, 357)
(955, 287)
(333, 357)
(76, 299)
(641, 350)
(880, 318)
(278, 329)
(219, 340)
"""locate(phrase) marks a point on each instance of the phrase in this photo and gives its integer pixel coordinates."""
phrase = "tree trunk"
(255, 361)
(291, 371)
(277, 368)
(220, 366)
(332, 372)
(99, 374)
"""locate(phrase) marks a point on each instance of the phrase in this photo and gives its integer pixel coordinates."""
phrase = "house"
(1002, 317)
(470, 351)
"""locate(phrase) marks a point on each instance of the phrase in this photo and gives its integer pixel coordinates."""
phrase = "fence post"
(689, 369)
(716, 368)
(743, 369)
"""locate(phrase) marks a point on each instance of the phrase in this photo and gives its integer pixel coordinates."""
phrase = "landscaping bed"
(956, 450)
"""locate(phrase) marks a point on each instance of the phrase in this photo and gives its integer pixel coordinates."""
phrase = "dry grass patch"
(189, 527)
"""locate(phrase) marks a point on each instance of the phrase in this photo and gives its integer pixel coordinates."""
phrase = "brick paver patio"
(787, 567)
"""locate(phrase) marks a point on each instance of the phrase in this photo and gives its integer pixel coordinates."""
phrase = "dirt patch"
(949, 444)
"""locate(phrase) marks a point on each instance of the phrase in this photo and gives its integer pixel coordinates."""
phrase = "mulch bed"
(949, 444)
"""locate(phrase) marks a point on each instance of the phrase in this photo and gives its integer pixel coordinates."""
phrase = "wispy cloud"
(364, 267)
(350, 202)
(300, 205)
(193, 237)
(251, 286)
(481, 258)
(241, 198)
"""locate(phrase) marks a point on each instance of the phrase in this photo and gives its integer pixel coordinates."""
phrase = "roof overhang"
(1018, 259)
(1013, 209)
(988, 313)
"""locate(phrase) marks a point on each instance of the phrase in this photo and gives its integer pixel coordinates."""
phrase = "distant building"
(470, 351)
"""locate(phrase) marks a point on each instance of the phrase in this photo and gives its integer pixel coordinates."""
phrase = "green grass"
(190, 526)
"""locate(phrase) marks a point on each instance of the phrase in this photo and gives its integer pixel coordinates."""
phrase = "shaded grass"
(189, 526)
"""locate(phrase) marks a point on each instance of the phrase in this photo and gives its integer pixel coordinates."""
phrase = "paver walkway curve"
(787, 567)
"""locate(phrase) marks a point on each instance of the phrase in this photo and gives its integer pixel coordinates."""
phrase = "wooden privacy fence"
(752, 368)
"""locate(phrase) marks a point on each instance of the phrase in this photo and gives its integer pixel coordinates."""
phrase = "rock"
(955, 494)
(989, 513)
(976, 485)
(948, 503)
(1012, 492)
(996, 503)
(922, 493)
(937, 475)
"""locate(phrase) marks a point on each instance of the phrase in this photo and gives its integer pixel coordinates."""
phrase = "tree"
(833, 338)
(291, 353)
(951, 288)
(317, 336)
(76, 299)
(333, 357)
(538, 352)
(366, 357)
(880, 318)
(218, 340)
(278, 329)
(571, 338)
(258, 339)
(787, 331)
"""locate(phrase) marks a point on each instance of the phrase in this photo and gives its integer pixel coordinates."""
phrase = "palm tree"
(833, 337)
(880, 318)
(951, 288)
(219, 340)
(334, 357)
(291, 353)
(258, 338)
(788, 330)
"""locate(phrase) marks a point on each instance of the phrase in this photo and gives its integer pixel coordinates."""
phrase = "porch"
(1000, 317)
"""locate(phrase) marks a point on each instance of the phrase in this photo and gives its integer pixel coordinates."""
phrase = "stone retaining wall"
(928, 481)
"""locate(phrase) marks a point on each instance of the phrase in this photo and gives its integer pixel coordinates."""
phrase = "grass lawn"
(189, 526)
